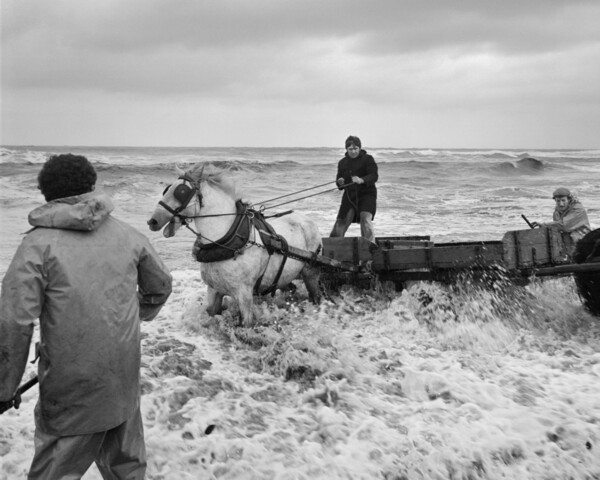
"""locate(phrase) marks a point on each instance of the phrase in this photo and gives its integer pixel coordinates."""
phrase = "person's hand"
(17, 401)
(536, 224)
(358, 180)
(340, 181)
(6, 405)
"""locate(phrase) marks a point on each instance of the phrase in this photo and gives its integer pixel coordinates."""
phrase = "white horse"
(209, 198)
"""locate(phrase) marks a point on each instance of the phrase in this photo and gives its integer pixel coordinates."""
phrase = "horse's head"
(177, 204)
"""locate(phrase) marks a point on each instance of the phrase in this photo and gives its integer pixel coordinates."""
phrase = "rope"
(212, 215)
(307, 196)
(294, 193)
(354, 204)
(184, 218)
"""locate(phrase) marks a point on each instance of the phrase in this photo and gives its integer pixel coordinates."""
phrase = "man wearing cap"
(356, 176)
(90, 279)
(569, 215)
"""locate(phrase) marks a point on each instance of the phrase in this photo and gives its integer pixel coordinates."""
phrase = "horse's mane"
(218, 177)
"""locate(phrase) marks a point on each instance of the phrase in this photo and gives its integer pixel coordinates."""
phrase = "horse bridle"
(184, 195)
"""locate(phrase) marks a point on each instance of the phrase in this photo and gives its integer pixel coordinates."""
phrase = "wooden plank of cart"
(520, 255)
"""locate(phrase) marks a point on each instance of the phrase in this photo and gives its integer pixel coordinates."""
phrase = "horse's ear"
(179, 171)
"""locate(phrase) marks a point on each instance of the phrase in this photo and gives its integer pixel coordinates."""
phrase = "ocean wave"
(525, 165)
(22, 156)
(453, 153)
(407, 152)
(500, 155)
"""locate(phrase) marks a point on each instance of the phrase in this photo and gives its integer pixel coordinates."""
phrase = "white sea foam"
(450, 389)
(435, 382)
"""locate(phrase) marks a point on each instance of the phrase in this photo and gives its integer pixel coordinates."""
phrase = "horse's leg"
(310, 276)
(245, 302)
(214, 301)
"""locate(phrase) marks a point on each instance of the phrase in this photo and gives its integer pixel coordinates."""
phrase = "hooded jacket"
(90, 279)
(573, 220)
(363, 197)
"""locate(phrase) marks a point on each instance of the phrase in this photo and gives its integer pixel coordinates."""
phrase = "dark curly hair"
(66, 175)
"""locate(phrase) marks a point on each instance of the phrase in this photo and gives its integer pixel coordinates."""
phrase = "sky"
(279, 73)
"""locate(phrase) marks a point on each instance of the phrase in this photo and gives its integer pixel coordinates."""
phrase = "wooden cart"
(520, 254)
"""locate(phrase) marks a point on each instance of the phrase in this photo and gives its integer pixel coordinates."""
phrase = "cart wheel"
(587, 250)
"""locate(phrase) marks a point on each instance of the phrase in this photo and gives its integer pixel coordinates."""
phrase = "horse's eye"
(165, 191)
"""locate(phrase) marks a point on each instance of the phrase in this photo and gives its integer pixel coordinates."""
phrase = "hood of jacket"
(573, 206)
(81, 212)
(361, 153)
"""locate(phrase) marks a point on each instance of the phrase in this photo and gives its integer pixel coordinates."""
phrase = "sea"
(470, 384)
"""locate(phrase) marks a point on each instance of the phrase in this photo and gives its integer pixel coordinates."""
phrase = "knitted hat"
(561, 192)
(66, 175)
(352, 140)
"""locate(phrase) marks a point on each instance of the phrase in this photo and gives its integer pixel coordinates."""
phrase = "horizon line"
(292, 147)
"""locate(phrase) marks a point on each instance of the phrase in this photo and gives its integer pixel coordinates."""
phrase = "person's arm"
(21, 303)
(548, 224)
(154, 284)
(372, 172)
(575, 218)
(557, 221)
(339, 176)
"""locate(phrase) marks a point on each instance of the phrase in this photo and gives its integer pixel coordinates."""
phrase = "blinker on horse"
(232, 242)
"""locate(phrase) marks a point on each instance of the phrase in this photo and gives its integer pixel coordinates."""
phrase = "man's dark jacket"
(363, 197)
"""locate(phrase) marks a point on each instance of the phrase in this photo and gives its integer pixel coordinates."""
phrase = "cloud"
(406, 25)
(385, 54)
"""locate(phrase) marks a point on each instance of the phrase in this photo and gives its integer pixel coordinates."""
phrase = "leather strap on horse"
(237, 237)
(283, 251)
(230, 244)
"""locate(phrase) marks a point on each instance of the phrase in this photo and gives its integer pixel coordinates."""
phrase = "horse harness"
(184, 195)
(237, 237)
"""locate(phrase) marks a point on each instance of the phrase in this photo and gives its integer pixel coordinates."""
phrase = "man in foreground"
(90, 279)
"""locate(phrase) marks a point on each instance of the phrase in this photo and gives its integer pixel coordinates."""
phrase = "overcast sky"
(422, 73)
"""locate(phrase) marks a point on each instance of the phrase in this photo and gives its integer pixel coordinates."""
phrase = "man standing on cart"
(356, 176)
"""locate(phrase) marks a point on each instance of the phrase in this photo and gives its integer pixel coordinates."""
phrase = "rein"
(184, 218)
(262, 208)
(189, 193)
(294, 193)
